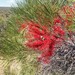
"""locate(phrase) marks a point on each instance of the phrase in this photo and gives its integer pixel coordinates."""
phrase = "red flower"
(58, 31)
(57, 20)
(42, 39)
(67, 13)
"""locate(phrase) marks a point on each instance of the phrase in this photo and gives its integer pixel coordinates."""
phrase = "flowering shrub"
(42, 38)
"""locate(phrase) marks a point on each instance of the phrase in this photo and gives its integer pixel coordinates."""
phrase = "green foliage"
(42, 11)
(1, 20)
(11, 48)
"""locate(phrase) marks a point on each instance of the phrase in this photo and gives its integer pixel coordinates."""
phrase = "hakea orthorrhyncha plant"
(42, 39)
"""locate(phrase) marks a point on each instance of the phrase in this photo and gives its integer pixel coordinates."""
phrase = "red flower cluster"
(42, 39)
(67, 13)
